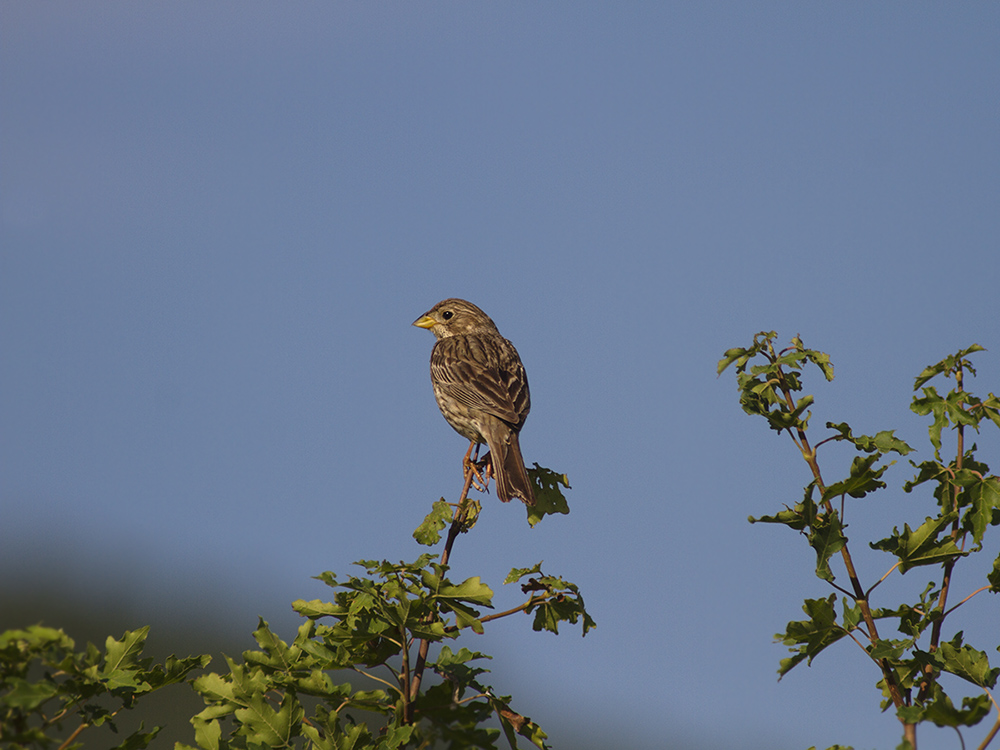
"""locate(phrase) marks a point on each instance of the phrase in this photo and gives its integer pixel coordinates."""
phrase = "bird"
(481, 388)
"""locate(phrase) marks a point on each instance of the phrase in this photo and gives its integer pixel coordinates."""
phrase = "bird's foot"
(471, 464)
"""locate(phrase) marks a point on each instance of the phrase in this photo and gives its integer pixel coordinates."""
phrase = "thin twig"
(841, 589)
(996, 726)
(984, 588)
(471, 698)
(990, 736)
(76, 733)
(377, 679)
(887, 574)
(497, 615)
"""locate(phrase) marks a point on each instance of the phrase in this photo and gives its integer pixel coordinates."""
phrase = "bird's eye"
(447, 314)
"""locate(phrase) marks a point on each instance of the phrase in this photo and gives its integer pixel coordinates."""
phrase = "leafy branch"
(967, 503)
(49, 688)
(382, 625)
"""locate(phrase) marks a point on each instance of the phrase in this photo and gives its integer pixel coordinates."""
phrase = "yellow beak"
(425, 322)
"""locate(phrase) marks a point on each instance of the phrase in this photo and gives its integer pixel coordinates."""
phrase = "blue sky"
(218, 223)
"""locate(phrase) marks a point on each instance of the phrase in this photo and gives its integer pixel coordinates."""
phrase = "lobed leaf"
(948, 365)
(921, 546)
(549, 499)
(428, 533)
(807, 638)
(862, 480)
(826, 537)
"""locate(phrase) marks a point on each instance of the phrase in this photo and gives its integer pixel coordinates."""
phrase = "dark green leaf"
(883, 442)
(994, 576)
(921, 546)
(948, 365)
(942, 712)
(863, 479)
(932, 403)
(549, 499)
(827, 538)
(807, 638)
(967, 663)
(26, 695)
(138, 739)
(983, 497)
(516, 574)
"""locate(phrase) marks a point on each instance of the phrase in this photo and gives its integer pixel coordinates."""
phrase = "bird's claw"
(476, 474)
(470, 464)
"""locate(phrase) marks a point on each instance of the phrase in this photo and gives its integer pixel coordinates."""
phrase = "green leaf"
(863, 479)
(428, 533)
(516, 574)
(983, 497)
(807, 638)
(994, 576)
(123, 670)
(549, 499)
(730, 356)
(470, 590)
(966, 662)
(990, 409)
(820, 359)
(513, 722)
(934, 404)
(948, 365)
(26, 695)
(138, 739)
(214, 687)
(317, 608)
(802, 516)
(827, 538)
(123, 653)
(889, 648)
(395, 737)
(942, 712)
(921, 546)
(553, 600)
(883, 442)
(262, 723)
(852, 614)
(455, 666)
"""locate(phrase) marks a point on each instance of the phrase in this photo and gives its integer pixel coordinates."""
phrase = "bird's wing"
(485, 373)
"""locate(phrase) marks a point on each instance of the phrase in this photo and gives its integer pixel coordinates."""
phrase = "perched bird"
(481, 388)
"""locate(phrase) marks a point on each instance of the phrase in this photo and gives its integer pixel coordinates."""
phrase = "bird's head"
(455, 317)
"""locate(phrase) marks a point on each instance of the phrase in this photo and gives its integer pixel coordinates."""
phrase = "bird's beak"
(425, 322)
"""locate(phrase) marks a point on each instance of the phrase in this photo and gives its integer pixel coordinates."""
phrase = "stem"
(859, 594)
(949, 566)
(996, 726)
(76, 732)
(952, 609)
(887, 574)
(809, 454)
(990, 736)
(377, 679)
(457, 524)
(513, 611)
(404, 676)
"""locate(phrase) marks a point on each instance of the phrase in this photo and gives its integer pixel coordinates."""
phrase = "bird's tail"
(508, 466)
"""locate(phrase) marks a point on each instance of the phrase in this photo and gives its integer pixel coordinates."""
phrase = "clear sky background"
(219, 221)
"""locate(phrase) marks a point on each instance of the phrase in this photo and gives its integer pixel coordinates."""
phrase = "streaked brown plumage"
(481, 388)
